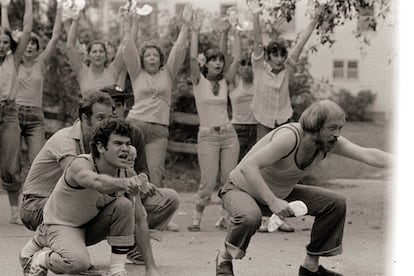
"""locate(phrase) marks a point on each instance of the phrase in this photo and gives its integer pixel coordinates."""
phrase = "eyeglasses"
(245, 63)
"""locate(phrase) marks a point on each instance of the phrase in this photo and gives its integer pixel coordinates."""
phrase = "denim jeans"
(160, 208)
(156, 143)
(218, 150)
(328, 208)
(69, 255)
(31, 120)
(9, 146)
(247, 135)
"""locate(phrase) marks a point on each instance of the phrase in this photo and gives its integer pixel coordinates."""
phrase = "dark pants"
(328, 208)
(247, 135)
(262, 130)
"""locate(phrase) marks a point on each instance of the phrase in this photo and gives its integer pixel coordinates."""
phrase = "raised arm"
(370, 156)
(27, 29)
(232, 70)
(130, 53)
(224, 34)
(57, 27)
(255, 9)
(179, 50)
(304, 37)
(194, 66)
(5, 16)
(74, 56)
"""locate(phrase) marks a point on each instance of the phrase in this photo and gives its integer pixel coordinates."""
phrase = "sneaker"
(195, 225)
(25, 263)
(135, 257)
(320, 272)
(222, 224)
(172, 227)
(263, 226)
(224, 268)
(35, 269)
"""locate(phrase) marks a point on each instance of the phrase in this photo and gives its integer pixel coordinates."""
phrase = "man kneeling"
(87, 206)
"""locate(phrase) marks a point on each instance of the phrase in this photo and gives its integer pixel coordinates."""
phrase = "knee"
(71, 264)
(250, 219)
(173, 198)
(339, 204)
(124, 206)
(78, 265)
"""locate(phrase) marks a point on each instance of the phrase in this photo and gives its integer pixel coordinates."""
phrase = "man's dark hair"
(85, 104)
(105, 129)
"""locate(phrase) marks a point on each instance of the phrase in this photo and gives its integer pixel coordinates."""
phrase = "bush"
(355, 107)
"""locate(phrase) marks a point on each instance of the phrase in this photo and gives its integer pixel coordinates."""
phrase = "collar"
(76, 134)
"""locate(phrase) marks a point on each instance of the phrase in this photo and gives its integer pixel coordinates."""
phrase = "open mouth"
(123, 156)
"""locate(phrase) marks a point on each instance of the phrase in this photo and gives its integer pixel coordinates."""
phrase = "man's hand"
(152, 190)
(281, 208)
(136, 184)
(254, 6)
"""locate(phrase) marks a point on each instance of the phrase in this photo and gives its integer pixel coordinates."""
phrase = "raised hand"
(187, 13)
(254, 6)
(197, 20)
(224, 25)
(5, 3)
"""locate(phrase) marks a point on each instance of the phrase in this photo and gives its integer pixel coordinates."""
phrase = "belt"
(217, 128)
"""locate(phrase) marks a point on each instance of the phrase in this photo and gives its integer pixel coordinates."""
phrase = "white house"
(348, 64)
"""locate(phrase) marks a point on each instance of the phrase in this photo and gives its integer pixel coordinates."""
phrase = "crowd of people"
(101, 178)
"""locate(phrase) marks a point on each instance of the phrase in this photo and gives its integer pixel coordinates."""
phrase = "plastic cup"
(299, 209)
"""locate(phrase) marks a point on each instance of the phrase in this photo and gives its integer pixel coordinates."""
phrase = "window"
(365, 17)
(352, 71)
(338, 69)
(345, 69)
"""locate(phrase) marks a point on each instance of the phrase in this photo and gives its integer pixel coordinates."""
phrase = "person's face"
(152, 60)
(215, 66)
(110, 51)
(97, 55)
(4, 44)
(327, 137)
(100, 112)
(132, 156)
(117, 151)
(31, 49)
(245, 70)
(119, 111)
(277, 61)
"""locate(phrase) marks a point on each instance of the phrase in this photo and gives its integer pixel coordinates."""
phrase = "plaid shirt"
(271, 101)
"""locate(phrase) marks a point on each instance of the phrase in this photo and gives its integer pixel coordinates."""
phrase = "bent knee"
(251, 218)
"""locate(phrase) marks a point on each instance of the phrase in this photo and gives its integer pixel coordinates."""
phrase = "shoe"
(135, 257)
(15, 220)
(222, 224)
(321, 272)
(225, 268)
(263, 226)
(195, 225)
(25, 263)
(92, 271)
(35, 269)
(172, 227)
(286, 228)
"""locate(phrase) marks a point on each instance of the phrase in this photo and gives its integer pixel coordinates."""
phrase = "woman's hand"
(254, 6)
(197, 20)
(187, 13)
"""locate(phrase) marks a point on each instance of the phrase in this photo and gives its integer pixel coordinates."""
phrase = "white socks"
(30, 248)
(117, 263)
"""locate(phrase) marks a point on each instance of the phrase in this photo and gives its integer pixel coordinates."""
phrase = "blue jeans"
(247, 135)
(69, 255)
(328, 208)
(31, 120)
(9, 146)
(156, 143)
(218, 150)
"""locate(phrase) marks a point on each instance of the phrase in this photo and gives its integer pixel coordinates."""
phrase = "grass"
(183, 173)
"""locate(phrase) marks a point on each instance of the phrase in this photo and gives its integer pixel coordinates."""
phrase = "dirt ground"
(367, 240)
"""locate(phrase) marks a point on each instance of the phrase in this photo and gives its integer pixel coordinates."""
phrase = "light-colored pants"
(9, 146)
(31, 121)
(218, 150)
(69, 254)
(156, 143)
